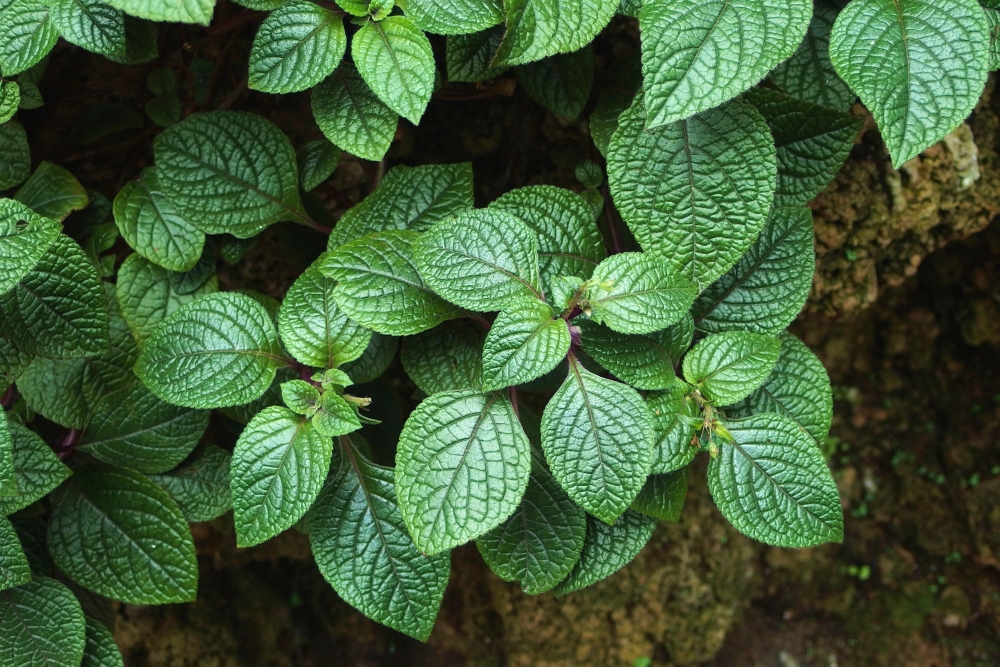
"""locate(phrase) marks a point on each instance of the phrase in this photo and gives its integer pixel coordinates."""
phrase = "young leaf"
(297, 46)
(134, 429)
(597, 436)
(217, 351)
(378, 285)
(454, 17)
(100, 650)
(728, 367)
(10, 100)
(301, 397)
(773, 484)
(645, 362)
(462, 465)
(445, 358)
(394, 57)
(14, 569)
(229, 172)
(408, 198)
(92, 25)
(279, 465)
(168, 11)
(53, 192)
(335, 416)
(200, 486)
(541, 542)
(767, 288)
(483, 260)
(523, 344)
(37, 470)
(314, 329)
(317, 161)
(118, 534)
(352, 116)
(607, 549)
(662, 497)
(537, 29)
(27, 34)
(41, 623)
(675, 414)
(560, 83)
(469, 58)
(24, 238)
(635, 293)
(374, 361)
(362, 548)
(150, 224)
(16, 163)
(934, 60)
(695, 192)
(697, 54)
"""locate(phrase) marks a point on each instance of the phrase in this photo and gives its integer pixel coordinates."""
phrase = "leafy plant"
(567, 377)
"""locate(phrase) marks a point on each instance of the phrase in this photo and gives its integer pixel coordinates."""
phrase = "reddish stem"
(8, 397)
(513, 401)
(67, 445)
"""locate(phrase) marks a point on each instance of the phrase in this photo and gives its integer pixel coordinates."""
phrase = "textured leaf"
(695, 192)
(454, 17)
(297, 46)
(560, 83)
(537, 29)
(116, 533)
(697, 54)
(675, 416)
(8, 479)
(469, 58)
(768, 287)
(993, 20)
(36, 468)
(483, 260)
(335, 416)
(27, 34)
(635, 293)
(728, 367)
(378, 285)
(645, 362)
(12, 362)
(92, 25)
(374, 361)
(362, 548)
(462, 466)
(523, 344)
(24, 238)
(317, 161)
(53, 192)
(229, 172)
(200, 486)
(14, 569)
(15, 155)
(58, 309)
(607, 549)
(168, 11)
(41, 625)
(933, 61)
(279, 465)
(100, 650)
(394, 57)
(541, 542)
(662, 497)
(797, 388)
(445, 358)
(773, 484)
(597, 436)
(217, 351)
(314, 329)
(352, 116)
(10, 100)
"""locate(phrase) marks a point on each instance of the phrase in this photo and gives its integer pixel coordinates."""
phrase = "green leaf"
(797, 388)
(15, 155)
(378, 285)
(462, 466)
(607, 549)
(100, 650)
(635, 293)
(217, 351)
(14, 569)
(24, 238)
(352, 116)
(768, 287)
(36, 468)
(523, 344)
(168, 11)
(933, 64)
(134, 429)
(27, 34)
(229, 172)
(58, 309)
(695, 192)
(148, 293)
(809, 75)
(408, 198)
(812, 143)
(335, 416)
(598, 437)
(12, 362)
(537, 29)
(279, 465)
(542, 541)
(92, 25)
(116, 533)
(297, 46)
(150, 224)
(8, 480)
(266, 5)
(362, 548)
(445, 358)
(394, 57)
(317, 161)
(483, 260)
(454, 17)
(374, 361)
(314, 329)
(773, 484)
(697, 54)
(676, 417)
(560, 83)
(300, 397)
(645, 362)
(41, 623)
(625, 78)
(469, 58)
(728, 367)
(200, 486)
(10, 100)
(993, 20)
(569, 243)
(662, 497)
(53, 192)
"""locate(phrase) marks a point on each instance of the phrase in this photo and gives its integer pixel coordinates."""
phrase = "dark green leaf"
(445, 358)
(297, 46)
(53, 192)
(41, 625)
(14, 569)
(607, 549)
(37, 469)
(352, 116)
(394, 57)
(523, 344)
(728, 367)
(200, 486)
(560, 83)
(662, 497)
(635, 293)
(24, 238)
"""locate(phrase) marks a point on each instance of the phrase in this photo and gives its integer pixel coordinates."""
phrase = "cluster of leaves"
(567, 383)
